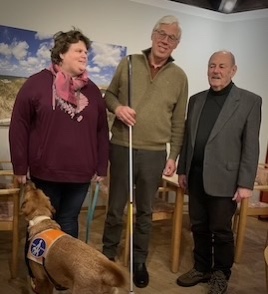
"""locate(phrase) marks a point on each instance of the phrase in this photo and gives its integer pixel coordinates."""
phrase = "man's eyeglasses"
(162, 35)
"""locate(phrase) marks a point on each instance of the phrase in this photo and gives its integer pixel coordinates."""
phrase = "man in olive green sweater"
(159, 91)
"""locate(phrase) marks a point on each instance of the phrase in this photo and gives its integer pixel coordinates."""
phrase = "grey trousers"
(147, 175)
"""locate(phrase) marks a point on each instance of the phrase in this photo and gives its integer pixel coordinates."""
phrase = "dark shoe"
(192, 278)
(218, 283)
(140, 275)
(112, 258)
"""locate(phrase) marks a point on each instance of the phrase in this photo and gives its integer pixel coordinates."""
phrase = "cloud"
(31, 65)
(106, 55)
(4, 64)
(43, 36)
(19, 49)
(5, 50)
(43, 51)
(8, 68)
(31, 61)
(94, 69)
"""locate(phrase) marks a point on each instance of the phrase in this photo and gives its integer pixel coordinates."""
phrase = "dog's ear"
(36, 203)
(29, 204)
(29, 186)
(45, 202)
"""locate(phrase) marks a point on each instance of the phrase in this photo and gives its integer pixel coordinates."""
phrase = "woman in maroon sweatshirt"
(59, 132)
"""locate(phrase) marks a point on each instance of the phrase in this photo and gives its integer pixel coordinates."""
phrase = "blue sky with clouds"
(23, 53)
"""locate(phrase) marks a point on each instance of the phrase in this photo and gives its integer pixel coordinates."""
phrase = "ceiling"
(241, 5)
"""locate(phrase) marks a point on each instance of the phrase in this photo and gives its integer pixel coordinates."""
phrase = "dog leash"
(91, 207)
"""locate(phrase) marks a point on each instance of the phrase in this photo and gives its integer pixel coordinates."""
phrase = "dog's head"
(35, 203)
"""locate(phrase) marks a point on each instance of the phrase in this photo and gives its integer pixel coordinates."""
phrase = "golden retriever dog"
(69, 262)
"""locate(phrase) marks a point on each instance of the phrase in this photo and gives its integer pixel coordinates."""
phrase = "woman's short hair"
(63, 41)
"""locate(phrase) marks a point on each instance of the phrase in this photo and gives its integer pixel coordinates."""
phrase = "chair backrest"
(247, 209)
(162, 209)
(262, 175)
(9, 210)
(8, 196)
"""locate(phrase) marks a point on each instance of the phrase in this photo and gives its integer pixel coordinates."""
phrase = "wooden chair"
(162, 210)
(9, 217)
(249, 209)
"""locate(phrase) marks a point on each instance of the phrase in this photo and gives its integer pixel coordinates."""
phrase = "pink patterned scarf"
(65, 87)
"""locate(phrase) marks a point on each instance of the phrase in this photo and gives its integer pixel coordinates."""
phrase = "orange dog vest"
(41, 243)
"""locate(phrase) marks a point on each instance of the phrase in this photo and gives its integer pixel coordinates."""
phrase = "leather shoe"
(140, 275)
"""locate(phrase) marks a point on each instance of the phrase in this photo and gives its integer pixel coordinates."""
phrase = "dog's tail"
(112, 275)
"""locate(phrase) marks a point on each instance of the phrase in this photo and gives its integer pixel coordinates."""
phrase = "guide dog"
(63, 261)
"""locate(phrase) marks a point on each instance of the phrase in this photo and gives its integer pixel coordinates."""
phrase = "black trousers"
(211, 224)
(67, 199)
(148, 168)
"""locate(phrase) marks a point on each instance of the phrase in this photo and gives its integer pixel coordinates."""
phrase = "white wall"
(249, 42)
(129, 23)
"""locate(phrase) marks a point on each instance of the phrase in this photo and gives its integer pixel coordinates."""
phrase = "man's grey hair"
(168, 19)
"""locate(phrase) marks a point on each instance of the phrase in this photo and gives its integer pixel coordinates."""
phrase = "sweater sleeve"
(112, 93)
(22, 114)
(178, 121)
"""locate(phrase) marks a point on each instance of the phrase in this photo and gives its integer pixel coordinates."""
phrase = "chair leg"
(15, 237)
(241, 229)
(14, 260)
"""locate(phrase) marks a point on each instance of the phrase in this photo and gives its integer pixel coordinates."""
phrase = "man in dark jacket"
(217, 165)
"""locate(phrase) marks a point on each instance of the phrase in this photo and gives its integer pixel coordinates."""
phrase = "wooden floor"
(248, 277)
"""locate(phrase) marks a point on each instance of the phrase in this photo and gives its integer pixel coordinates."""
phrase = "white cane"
(130, 183)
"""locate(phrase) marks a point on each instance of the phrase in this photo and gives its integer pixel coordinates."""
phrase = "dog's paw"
(32, 285)
(114, 290)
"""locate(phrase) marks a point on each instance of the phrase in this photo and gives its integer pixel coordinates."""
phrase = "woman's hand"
(97, 178)
(21, 179)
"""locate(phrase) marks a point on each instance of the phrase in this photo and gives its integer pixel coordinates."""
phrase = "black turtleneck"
(208, 117)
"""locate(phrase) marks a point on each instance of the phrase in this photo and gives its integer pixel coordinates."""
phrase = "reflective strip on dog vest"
(41, 244)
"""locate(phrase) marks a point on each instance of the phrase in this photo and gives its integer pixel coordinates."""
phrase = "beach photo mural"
(24, 52)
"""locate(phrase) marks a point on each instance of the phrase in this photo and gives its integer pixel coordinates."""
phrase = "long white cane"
(130, 183)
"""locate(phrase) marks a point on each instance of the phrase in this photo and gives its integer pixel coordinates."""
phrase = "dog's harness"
(39, 248)
(41, 243)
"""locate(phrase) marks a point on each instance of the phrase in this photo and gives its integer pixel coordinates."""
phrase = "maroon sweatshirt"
(52, 145)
